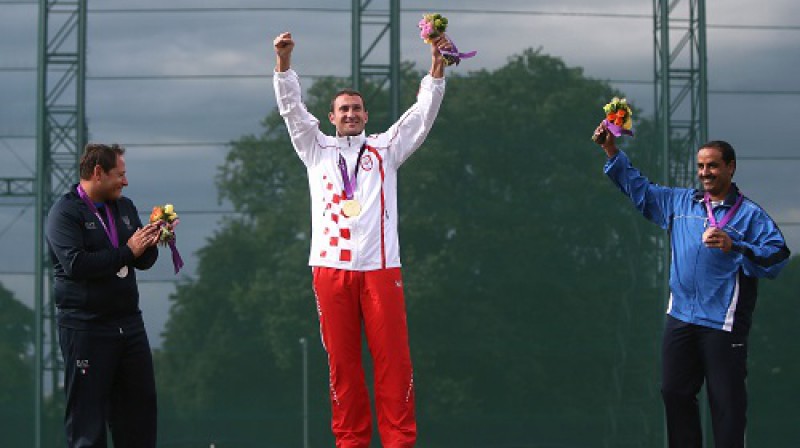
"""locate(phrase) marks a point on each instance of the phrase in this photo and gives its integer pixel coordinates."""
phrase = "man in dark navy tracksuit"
(96, 243)
(722, 243)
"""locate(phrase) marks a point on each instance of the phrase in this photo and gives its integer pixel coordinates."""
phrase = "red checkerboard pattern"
(336, 244)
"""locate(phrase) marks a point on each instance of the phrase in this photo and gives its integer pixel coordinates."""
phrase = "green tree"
(540, 271)
(530, 282)
(774, 364)
(16, 384)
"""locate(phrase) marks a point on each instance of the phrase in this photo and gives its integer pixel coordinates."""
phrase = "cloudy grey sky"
(142, 112)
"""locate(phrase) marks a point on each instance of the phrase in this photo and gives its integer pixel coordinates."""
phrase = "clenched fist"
(283, 51)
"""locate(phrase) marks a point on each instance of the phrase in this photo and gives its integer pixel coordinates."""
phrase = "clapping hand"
(144, 238)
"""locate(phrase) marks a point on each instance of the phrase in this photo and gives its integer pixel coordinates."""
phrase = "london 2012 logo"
(366, 162)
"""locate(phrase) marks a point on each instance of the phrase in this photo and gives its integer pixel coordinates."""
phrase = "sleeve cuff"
(430, 82)
(612, 161)
(288, 73)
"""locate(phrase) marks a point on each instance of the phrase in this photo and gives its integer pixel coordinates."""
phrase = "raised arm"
(407, 133)
(653, 201)
(302, 126)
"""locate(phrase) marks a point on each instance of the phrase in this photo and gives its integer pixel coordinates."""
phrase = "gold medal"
(123, 272)
(351, 208)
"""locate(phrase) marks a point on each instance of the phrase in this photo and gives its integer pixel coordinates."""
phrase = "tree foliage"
(774, 361)
(16, 384)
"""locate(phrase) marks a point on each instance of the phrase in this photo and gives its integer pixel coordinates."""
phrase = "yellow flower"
(169, 209)
(628, 124)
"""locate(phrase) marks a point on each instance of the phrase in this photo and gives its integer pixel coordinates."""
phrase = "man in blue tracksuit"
(722, 243)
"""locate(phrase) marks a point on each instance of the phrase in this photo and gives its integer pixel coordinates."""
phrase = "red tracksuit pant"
(345, 300)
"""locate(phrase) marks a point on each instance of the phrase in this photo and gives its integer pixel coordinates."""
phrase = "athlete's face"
(714, 173)
(112, 182)
(348, 115)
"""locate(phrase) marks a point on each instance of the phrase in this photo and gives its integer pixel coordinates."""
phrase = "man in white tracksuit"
(355, 253)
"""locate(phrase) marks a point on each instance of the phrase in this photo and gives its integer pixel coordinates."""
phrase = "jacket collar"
(351, 142)
(730, 198)
(73, 194)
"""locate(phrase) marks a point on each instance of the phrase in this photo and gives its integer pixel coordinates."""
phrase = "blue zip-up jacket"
(708, 287)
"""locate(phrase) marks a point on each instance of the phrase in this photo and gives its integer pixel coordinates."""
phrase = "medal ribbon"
(712, 220)
(350, 187)
(177, 261)
(111, 228)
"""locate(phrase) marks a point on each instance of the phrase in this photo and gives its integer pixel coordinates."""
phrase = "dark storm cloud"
(220, 110)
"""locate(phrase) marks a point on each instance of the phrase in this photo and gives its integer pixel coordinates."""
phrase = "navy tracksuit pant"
(109, 382)
(690, 355)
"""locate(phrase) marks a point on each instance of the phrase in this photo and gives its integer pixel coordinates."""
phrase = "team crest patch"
(366, 162)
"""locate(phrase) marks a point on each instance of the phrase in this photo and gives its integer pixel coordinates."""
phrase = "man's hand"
(603, 137)
(143, 239)
(715, 238)
(437, 60)
(283, 51)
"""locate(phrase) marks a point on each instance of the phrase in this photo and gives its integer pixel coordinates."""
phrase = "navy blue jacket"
(708, 287)
(85, 263)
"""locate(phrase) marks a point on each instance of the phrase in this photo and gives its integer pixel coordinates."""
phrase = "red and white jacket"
(368, 241)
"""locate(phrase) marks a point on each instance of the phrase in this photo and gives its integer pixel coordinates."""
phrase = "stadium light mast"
(378, 57)
(60, 137)
(681, 85)
(681, 100)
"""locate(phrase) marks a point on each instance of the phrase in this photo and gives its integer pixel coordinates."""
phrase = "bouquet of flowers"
(167, 218)
(433, 26)
(618, 119)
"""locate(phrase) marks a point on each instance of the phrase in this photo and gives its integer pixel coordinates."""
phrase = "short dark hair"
(99, 154)
(728, 153)
(348, 92)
